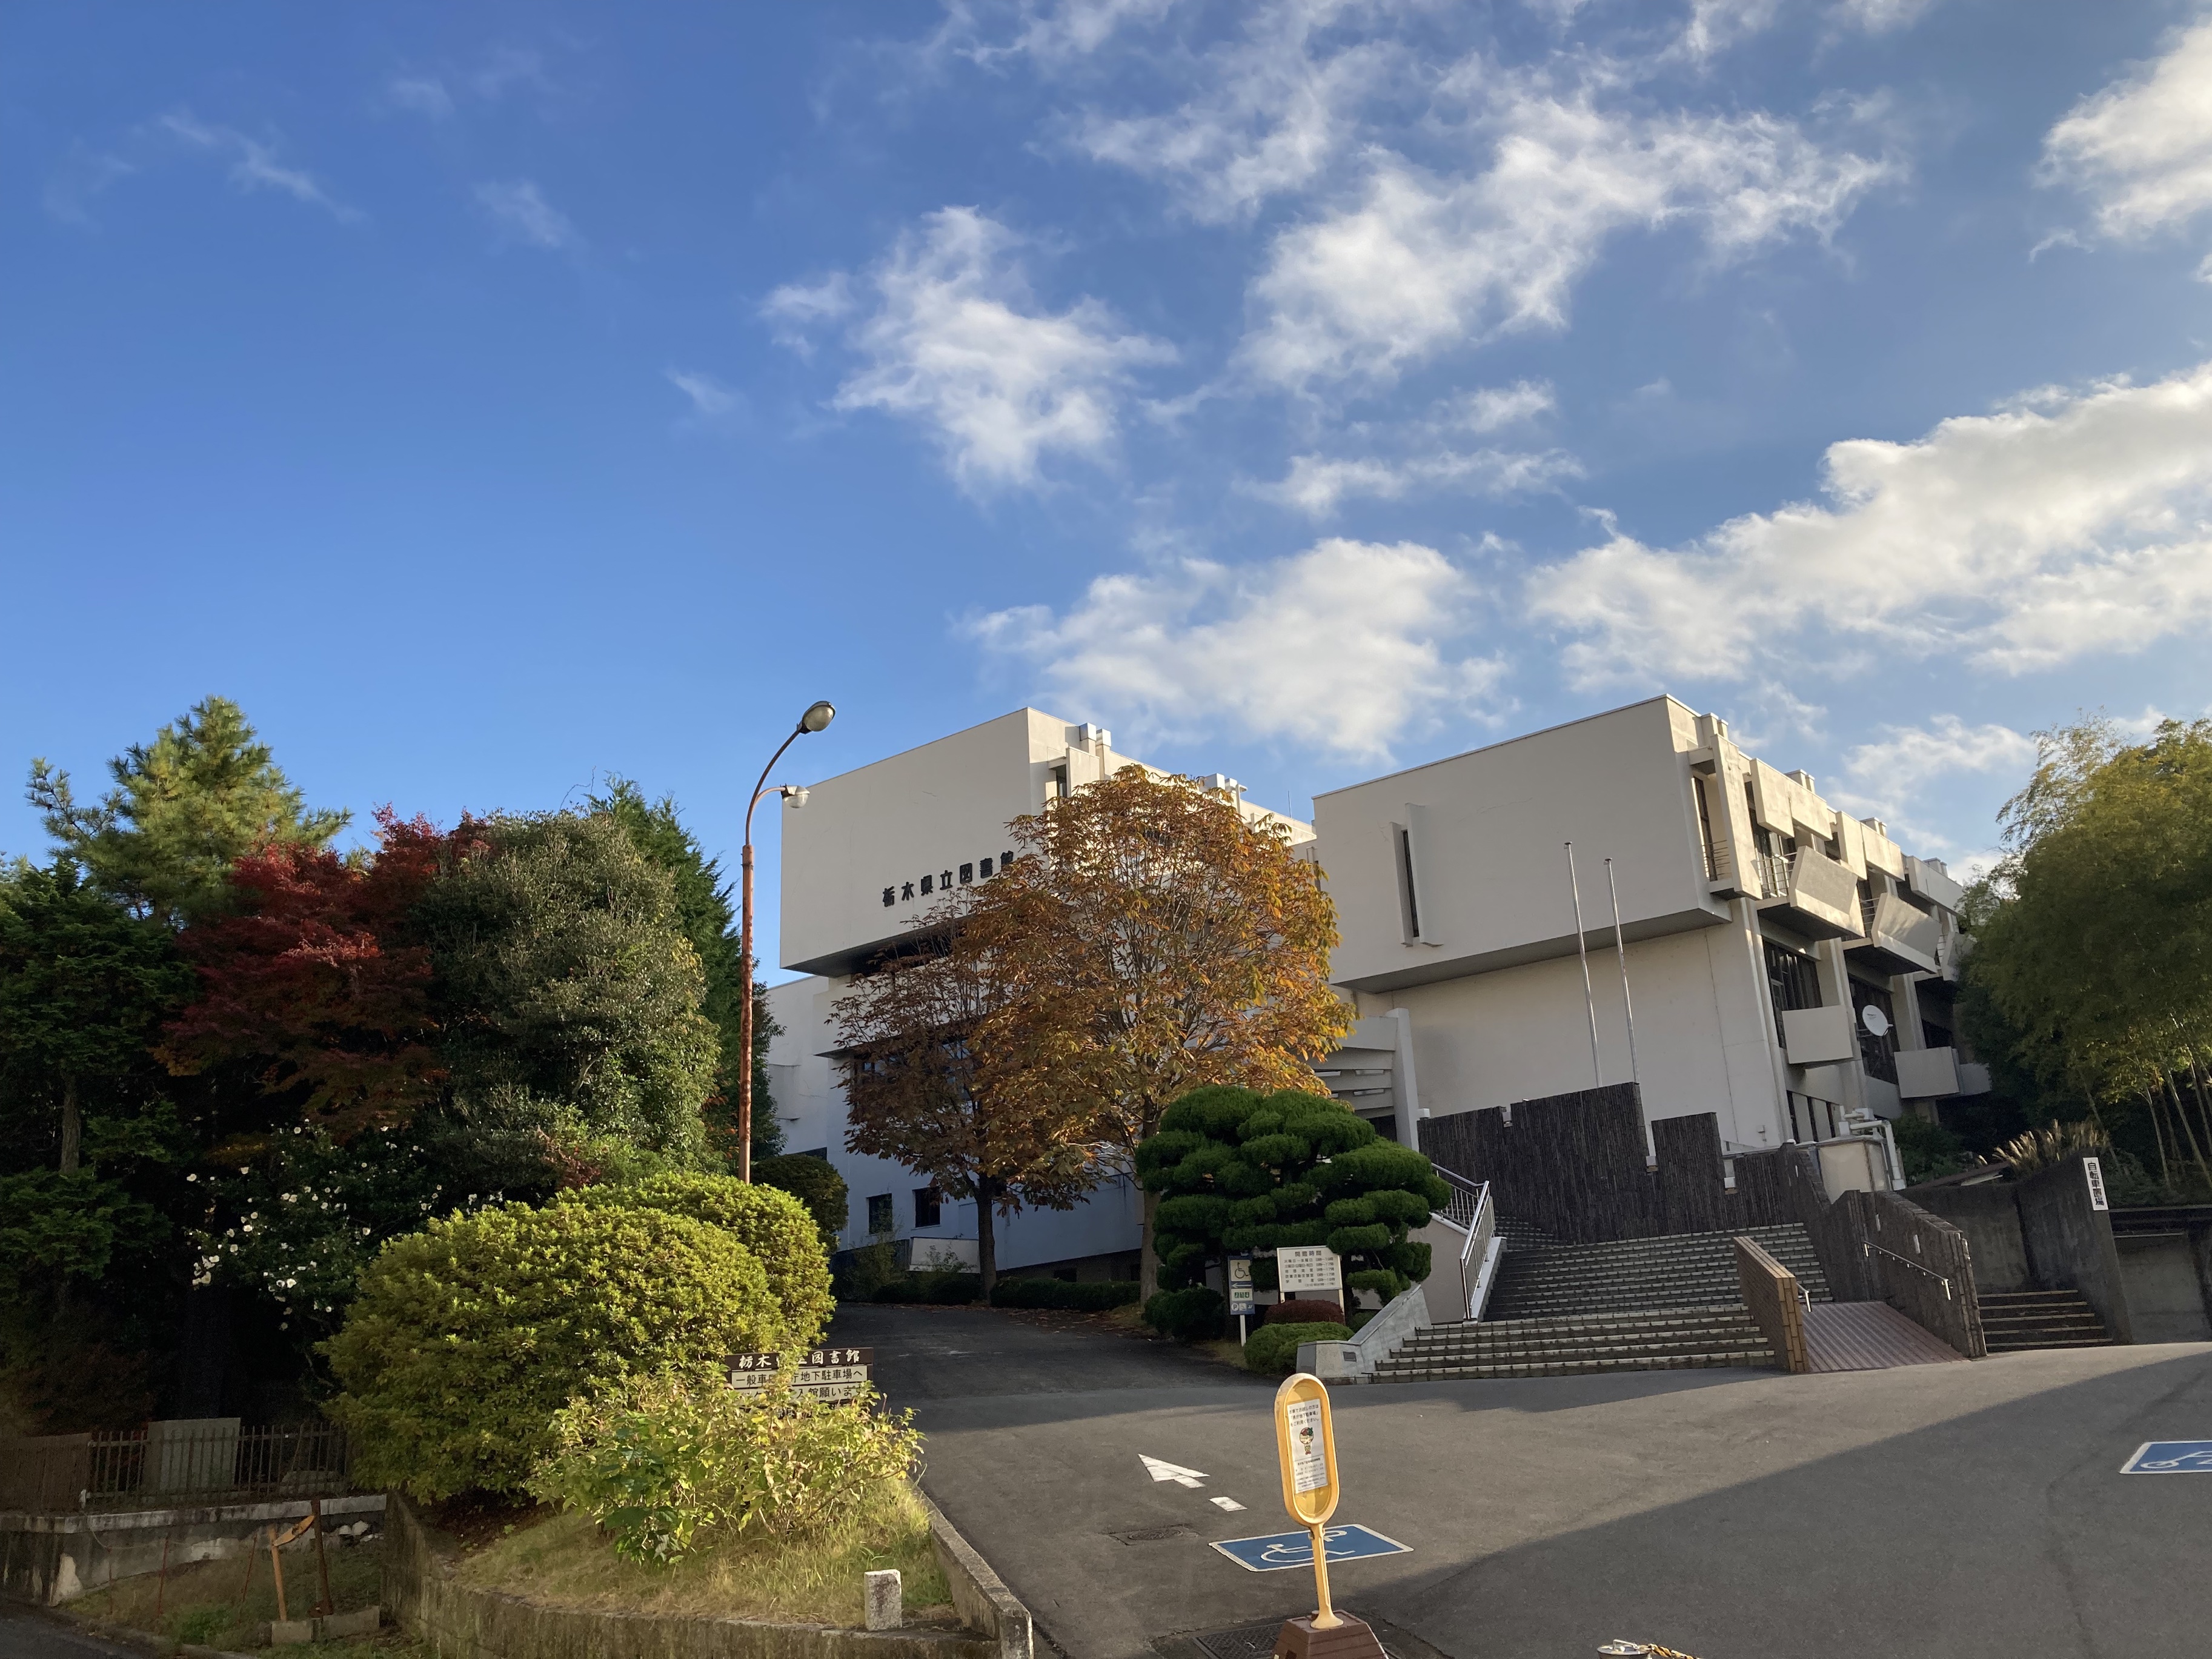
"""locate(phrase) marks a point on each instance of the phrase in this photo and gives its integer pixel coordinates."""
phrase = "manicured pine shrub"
(1191, 1314)
(468, 1337)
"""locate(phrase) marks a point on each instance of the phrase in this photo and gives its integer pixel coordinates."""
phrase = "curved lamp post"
(817, 716)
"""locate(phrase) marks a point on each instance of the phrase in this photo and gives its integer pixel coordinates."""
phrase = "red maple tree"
(314, 980)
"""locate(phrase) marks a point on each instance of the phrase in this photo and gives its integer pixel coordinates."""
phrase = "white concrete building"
(1789, 966)
(870, 850)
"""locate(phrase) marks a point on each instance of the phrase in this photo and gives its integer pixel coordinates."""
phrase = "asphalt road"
(27, 1635)
(1955, 1510)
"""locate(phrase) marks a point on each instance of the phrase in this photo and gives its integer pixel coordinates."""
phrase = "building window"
(1409, 903)
(879, 1215)
(926, 1207)
(1794, 980)
(1705, 828)
(1056, 789)
(1877, 1049)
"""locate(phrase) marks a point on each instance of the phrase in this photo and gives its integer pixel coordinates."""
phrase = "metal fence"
(198, 1461)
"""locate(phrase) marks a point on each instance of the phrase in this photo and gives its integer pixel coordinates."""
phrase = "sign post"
(1303, 1267)
(824, 1373)
(1305, 1446)
(1240, 1292)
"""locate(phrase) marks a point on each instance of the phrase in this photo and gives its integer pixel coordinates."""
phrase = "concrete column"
(1408, 1091)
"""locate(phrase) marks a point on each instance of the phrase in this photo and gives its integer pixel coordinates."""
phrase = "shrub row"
(1093, 1297)
(1274, 1348)
(1193, 1315)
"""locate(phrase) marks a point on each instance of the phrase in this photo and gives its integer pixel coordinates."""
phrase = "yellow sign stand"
(1305, 1446)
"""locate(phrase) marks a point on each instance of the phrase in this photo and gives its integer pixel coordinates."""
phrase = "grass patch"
(567, 1562)
(214, 1603)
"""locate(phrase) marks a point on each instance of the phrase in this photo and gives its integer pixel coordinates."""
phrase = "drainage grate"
(1248, 1642)
(1258, 1642)
(1153, 1536)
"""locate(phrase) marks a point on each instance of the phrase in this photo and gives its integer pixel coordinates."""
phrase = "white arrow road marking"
(1176, 1472)
(1227, 1503)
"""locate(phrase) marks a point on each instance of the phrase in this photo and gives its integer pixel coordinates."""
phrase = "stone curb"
(979, 1595)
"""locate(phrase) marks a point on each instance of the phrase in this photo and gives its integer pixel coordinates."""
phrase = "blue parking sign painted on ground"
(2152, 1457)
(1295, 1549)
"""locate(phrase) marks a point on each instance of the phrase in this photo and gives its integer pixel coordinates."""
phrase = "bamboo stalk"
(2165, 1171)
(2173, 1098)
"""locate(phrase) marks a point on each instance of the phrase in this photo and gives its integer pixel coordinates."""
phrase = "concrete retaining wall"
(1988, 1215)
(2069, 1242)
(48, 1559)
(456, 1621)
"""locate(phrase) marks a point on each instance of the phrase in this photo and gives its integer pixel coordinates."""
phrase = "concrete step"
(1582, 1366)
(2014, 1322)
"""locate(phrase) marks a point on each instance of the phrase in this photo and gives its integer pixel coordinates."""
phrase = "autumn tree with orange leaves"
(1150, 939)
(929, 1048)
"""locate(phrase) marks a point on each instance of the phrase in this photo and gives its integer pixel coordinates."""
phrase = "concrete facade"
(1790, 966)
(1760, 923)
(868, 855)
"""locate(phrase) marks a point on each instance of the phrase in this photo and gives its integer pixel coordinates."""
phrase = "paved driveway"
(27, 1636)
(1938, 1510)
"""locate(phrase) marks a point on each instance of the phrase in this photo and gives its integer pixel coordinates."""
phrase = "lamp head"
(796, 793)
(816, 716)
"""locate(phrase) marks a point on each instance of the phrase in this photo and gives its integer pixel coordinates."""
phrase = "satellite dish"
(1875, 1021)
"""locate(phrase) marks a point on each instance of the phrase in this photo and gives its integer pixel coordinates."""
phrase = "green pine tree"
(706, 909)
(183, 808)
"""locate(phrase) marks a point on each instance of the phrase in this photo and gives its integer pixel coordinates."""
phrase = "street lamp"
(816, 716)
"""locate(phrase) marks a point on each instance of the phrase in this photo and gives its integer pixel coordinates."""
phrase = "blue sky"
(493, 398)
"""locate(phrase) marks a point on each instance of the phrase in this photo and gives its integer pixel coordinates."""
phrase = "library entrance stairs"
(1672, 1303)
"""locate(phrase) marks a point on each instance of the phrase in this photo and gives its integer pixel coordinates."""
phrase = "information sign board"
(825, 1373)
(1295, 1549)
(1309, 1268)
(2092, 1171)
(1240, 1284)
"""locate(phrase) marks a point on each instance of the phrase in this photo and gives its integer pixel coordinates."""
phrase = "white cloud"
(2072, 522)
(1425, 262)
(2142, 149)
(1906, 758)
(521, 209)
(1272, 112)
(953, 338)
(423, 94)
(796, 310)
(709, 397)
(253, 163)
(1316, 484)
(1716, 25)
(1050, 32)
(1881, 16)
(1343, 646)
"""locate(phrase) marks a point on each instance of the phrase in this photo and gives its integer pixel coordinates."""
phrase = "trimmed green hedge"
(469, 1336)
(1096, 1296)
(1274, 1348)
(936, 1290)
(815, 1183)
(1188, 1315)
(770, 1223)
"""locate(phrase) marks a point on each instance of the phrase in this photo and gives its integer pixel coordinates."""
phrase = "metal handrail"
(1474, 1225)
(1464, 1207)
(1872, 1249)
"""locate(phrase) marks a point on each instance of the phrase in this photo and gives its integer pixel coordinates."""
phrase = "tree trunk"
(2197, 1083)
(986, 1238)
(2173, 1097)
(72, 1126)
(1148, 1265)
(2165, 1171)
